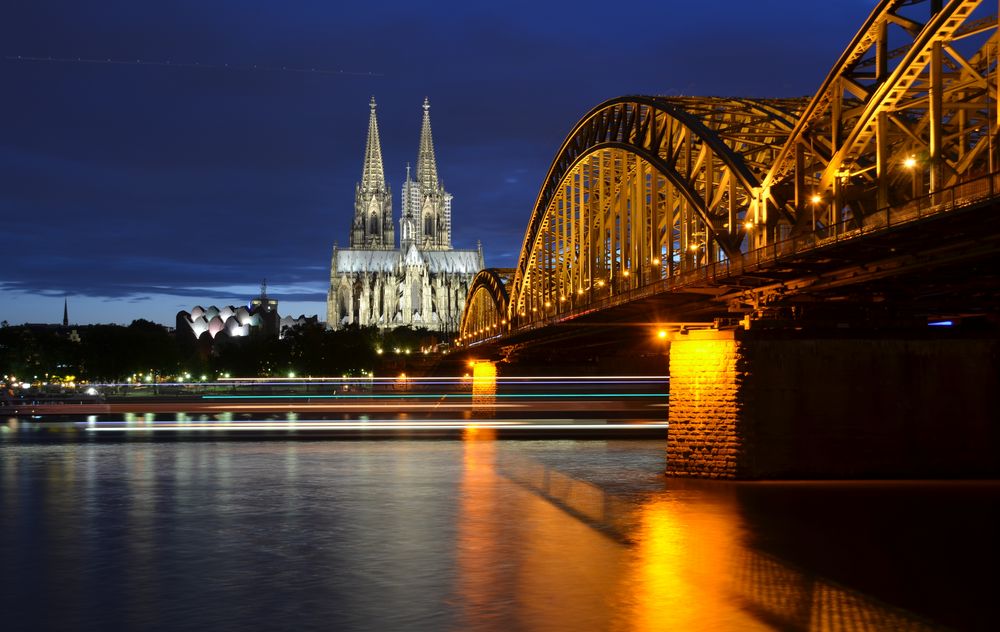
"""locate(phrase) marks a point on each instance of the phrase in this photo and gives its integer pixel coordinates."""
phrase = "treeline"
(116, 352)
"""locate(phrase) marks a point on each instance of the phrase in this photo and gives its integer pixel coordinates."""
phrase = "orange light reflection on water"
(561, 553)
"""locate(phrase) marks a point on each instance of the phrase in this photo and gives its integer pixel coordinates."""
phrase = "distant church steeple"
(373, 226)
(65, 312)
(424, 199)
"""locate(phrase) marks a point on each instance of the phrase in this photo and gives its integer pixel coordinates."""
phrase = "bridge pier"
(763, 404)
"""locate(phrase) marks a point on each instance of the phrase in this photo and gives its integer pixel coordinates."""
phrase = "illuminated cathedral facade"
(422, 281)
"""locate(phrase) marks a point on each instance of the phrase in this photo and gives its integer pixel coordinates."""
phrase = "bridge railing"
(850, 228)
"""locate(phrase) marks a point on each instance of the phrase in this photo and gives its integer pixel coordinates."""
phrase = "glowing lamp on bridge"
(748, 225)
(816, 198)
(662, 334)
(625, 273)
(548, 303)
(910, 162)
(656, 262)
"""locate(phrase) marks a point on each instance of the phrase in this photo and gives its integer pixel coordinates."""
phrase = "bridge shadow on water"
(793, 555)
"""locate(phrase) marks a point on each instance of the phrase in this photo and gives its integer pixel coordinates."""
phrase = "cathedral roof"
(452, 261)
(358, 260)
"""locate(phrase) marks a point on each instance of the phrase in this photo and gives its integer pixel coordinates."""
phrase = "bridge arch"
(642, 189)
(485, 313)
(646, 191)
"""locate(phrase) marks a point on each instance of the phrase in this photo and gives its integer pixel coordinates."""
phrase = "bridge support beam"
(752, 405)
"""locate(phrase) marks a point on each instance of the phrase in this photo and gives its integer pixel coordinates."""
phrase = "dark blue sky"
(140, 190)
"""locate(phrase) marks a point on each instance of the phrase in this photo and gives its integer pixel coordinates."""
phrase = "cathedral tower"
(421, 284)
(373, 225)
(426, 205)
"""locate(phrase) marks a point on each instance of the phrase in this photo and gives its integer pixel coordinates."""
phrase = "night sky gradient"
(142, 189)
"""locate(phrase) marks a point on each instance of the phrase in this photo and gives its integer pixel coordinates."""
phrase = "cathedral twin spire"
(426, 165)
(373, 174)
(426, 214)
(373, 227)
(420, 282)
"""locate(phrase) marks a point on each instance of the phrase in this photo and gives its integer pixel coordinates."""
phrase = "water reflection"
(476, 534)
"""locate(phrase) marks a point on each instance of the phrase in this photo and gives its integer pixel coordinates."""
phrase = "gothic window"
(356, 307)
(416, 296)
(343, 304)
(374, 225)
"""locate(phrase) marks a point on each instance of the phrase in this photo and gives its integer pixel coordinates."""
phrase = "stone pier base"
(751, 405)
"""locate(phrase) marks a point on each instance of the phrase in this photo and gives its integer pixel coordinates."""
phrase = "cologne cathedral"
(423, 281)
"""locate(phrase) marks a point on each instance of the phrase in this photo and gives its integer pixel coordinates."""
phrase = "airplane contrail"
(199, 65)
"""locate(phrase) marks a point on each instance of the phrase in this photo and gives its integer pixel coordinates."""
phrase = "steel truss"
(485, 312)
(649, 188)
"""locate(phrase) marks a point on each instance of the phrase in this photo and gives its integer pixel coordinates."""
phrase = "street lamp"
(815, 199)
(910, 163)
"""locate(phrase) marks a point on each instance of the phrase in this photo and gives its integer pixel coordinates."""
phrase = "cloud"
(120, 181)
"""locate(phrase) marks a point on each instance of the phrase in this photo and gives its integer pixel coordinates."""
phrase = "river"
(472, 533)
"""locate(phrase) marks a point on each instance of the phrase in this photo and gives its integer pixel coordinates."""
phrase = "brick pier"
(751, 405)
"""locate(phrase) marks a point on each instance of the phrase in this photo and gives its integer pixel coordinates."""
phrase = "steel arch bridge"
(647, 190)
(485, 314)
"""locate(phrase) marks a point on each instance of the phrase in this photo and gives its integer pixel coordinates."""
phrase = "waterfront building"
(422, 282)
(259, 316)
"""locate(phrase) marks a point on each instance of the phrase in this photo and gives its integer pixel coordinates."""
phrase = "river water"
(472, 533)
